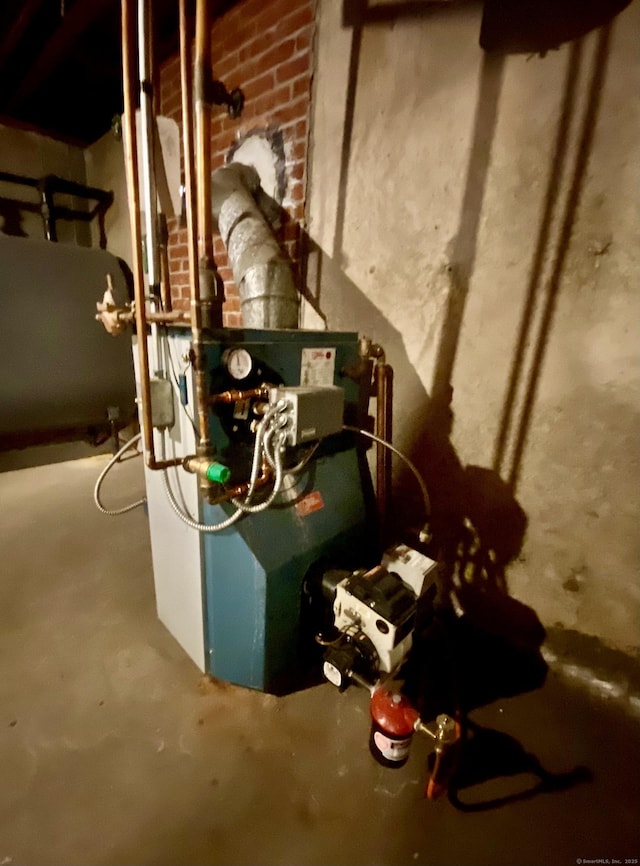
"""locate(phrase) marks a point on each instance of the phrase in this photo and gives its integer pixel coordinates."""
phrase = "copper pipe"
(191, 194)
(164, 464)
(133, 193)
(175, 317)
(147, 145)
(211, 287)
(202, 74)
(235, 396)
(241, 489)
(186, 84)
(116, 321)
(160, 220)
(383, 381)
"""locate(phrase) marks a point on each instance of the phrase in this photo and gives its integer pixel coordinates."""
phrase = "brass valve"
(207, 469)
(115, 319)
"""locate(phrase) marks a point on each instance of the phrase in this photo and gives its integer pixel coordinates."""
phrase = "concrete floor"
(114, 749)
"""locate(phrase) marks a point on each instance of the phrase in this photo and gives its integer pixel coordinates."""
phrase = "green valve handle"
(218, 472)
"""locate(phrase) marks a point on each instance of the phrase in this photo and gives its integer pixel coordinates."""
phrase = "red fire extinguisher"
(392, 725)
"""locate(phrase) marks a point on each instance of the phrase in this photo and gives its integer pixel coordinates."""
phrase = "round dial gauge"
(238, 362)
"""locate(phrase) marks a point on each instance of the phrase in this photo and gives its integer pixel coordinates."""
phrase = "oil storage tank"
(61, 374)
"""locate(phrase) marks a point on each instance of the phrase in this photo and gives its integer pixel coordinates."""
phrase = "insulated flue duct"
(268, 295)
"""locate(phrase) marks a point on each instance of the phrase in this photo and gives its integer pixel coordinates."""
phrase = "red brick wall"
(264, 47)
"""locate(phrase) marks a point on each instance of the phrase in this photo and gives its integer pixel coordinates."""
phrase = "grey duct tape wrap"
(268, 296)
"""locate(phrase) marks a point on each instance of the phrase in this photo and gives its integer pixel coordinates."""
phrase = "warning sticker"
(317, 366)
(310, 503)
(241, 409)
(392, 750)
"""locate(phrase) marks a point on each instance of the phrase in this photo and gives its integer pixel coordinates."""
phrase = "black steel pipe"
(59, 185)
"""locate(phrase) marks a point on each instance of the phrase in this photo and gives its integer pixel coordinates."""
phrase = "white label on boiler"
(317, 366)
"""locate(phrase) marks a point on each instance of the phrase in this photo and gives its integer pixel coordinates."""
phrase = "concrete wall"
(105, 169)
(478, 215)
(34, 155)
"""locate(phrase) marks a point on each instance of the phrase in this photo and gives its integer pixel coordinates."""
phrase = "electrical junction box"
(313, 412)
(413, 568)
(162, 413)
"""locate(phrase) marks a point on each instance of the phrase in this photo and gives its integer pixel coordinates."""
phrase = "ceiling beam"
(14, 33)
(78, 20)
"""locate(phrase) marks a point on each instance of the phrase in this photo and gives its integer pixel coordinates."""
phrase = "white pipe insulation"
(268, 295)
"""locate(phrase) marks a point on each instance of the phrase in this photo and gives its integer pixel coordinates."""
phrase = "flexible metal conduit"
(268, 295)
(242, 507)
(115, 512)
(425, 534)
(190, 521)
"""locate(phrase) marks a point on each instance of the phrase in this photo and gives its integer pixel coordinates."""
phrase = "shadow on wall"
(490, 647)
(563, 21)
(538, 26)
(478, 524)
(545, 295)
(493, 650)
(11, 215)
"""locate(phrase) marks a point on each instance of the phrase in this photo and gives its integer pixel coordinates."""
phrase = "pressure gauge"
(238, 362)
